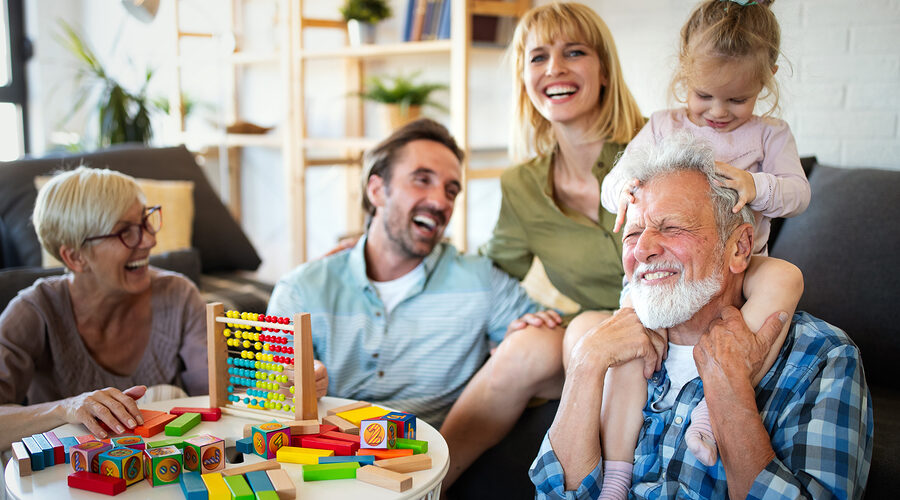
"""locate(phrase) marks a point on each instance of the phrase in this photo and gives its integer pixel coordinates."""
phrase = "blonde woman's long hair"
(619, 117)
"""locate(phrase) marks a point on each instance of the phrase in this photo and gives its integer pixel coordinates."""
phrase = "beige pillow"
(177, 200)
(541, 290)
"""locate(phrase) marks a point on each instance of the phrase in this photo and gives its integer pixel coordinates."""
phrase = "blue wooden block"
(46, 448)
(259, 481)
(35, 452)
(192, 486)
(68, 442)
(362, 460)
(244, 445)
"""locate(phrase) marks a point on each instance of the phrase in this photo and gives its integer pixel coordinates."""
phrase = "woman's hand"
(114, 408)
(321, 378)
(625, 197)
(548, 318)
(739, 180)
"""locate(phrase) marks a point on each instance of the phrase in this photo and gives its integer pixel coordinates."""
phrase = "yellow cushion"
(177, 200)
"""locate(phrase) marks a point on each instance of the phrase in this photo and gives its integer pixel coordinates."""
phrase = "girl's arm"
(614, 181)
(770, 285)
(782, 189)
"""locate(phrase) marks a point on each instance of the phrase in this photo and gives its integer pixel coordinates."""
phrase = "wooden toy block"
(404, 465)
(205, 453)
(342, 448)
(244, 445)
(269, 437)
(122, 462)
(177, 442)
(384, 454)
(182, 424)
(85, 438)
(59, 451)
(304, 373)
(378, 433)
(239, 488)
(46, 449)
(325, 472)
(342, 425)
(347, 407)
(216, 486)
(406, 423)
(97, 483)
(154, 426)
(294, 455)
(327, 428)
(358, 415)
(259, 481)
(267, 495)
(34, 452)
(341, 436)
(163, 465)
(206, 414)
(360, 459)
(303, 427)
(192, 486)
(418, 447)
(384, 478)
(282, 484)
(150, 414)
(267, 465)
(68, 442)
(133, 442)
(22, 458)
(248, 428)
(86, 456)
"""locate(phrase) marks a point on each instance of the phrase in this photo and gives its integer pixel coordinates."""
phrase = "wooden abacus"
(244, 375)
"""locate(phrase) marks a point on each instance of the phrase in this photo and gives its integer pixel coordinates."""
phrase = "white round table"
(51, 481)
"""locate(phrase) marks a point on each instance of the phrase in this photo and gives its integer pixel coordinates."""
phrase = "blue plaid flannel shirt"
(814, 403)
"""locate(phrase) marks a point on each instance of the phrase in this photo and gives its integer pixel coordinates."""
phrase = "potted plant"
(361, 16)
(402, 97)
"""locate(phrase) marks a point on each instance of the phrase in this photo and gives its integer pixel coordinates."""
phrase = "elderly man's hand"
(321, 374)
(730, 348)
(619, 340)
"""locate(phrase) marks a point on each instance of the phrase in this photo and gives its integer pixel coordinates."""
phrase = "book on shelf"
(443, 30)
(410, 17)
(418, 20)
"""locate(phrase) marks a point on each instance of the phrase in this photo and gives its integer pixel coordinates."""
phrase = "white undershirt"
(681, 368)
(394, 291)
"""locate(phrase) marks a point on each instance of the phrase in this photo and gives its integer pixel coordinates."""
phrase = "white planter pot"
(360, 33)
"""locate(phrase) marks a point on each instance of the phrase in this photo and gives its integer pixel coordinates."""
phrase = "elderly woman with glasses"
(82, 347)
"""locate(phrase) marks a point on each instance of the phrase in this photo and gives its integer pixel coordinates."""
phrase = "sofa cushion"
(844, 244)
(220, 240)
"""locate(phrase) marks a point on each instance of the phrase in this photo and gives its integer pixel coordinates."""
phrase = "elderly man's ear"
(740, 248)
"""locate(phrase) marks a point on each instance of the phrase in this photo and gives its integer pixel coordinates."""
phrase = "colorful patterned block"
(86, 456)
(269, 437)
(378, 434)
(406, 424)
(205, 453)
(163, 465)
(133, 442)
(124, 463)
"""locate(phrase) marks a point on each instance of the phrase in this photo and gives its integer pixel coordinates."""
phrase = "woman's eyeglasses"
(132, 235)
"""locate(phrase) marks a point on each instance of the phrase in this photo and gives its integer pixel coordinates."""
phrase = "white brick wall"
(840, 72)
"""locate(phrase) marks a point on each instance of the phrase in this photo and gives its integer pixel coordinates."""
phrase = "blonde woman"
(82, 347)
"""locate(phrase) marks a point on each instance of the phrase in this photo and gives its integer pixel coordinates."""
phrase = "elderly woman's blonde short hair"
(81, 203)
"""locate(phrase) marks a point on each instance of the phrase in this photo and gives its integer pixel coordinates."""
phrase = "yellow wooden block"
(216, 485)
(296, 455)
(360, 414)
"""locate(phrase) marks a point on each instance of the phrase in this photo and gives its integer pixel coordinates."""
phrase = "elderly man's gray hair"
(682, 151)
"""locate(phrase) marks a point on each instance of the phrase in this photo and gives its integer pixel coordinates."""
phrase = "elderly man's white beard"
(661, 306)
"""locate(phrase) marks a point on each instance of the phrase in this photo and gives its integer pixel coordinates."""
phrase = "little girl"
(728, 55)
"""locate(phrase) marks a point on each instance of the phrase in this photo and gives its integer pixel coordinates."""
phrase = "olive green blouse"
(583, 259)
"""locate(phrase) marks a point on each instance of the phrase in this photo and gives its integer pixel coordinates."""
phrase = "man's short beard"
(666, 306)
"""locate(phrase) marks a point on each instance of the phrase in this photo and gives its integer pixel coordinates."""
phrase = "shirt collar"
(357, 261)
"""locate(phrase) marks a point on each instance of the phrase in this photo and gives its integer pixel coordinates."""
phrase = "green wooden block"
(322, 472)
(418, 447)
(240, 490)
(266, 495)
(182, 424)
(175, 441)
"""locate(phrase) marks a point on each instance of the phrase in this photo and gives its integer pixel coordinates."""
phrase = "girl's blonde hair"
(81, 203)
(727, 31)
(619, 117)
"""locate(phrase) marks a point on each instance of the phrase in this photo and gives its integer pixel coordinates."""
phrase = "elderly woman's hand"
(115, 408)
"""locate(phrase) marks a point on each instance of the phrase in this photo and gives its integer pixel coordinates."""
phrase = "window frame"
(16, 92)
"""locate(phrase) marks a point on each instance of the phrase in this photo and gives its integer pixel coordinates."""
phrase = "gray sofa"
(845, 244)
(220, 249)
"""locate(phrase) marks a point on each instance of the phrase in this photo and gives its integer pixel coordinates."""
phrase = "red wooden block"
(341, 436)
(149, 414)
(328, 428)
(385, 454)
(154, 426)
(59, 451)
(85, 438)
(341, 448)
(206, 414)
(97, 483)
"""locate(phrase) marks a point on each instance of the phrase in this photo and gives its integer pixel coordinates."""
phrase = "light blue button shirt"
(418, 358)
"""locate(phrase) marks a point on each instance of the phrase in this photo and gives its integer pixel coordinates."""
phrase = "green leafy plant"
(367, 11)
(403, 91)
(123, 116)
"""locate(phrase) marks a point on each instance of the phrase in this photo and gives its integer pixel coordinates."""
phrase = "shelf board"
(270, 140)
(255, 58)
(360, 143)
(381, 50)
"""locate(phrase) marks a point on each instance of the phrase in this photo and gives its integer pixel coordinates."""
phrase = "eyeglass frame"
(143, 225)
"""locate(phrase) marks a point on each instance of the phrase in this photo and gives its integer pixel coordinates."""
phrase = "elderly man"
(805, 431)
